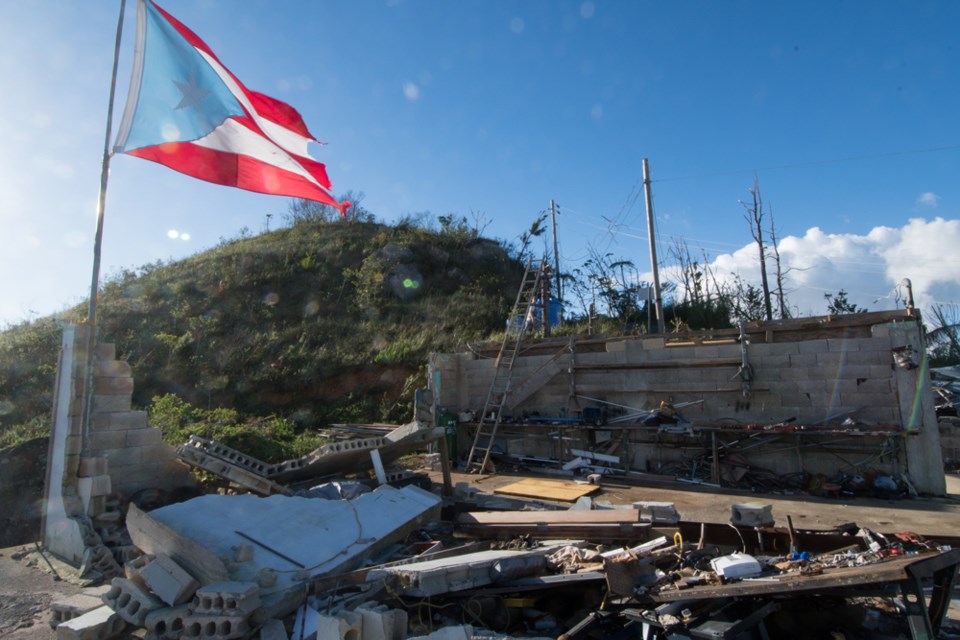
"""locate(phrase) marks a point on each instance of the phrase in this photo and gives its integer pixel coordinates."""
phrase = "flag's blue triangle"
(181, 98)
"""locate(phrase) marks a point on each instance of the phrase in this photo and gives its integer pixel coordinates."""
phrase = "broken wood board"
(547, 489)
(154, 537)
(618, 532)
(596, 516)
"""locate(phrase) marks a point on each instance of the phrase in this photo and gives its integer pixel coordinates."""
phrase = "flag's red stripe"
(317, 169)
(234, 170)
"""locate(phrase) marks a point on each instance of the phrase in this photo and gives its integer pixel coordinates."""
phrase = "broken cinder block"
(752, 514)
(98, 624)
(215, 627)
(72, 607)
(227, 598)
(169, 580)
(130, 601)
(167, 623)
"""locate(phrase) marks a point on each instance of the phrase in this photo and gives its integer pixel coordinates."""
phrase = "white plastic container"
(735, 565)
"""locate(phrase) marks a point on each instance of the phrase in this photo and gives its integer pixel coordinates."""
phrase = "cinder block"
(868, 357)
(74, 446)
(100, 422)
(111, 404)
(615, 345)
(215, 627)
(382, 623)
(345, 625)
(130, 601)
(167, 623)
(169, 581)
(92, 466)
(94, 485)
(72, 607)
(98, 558)
(881, 370)
(105, 351)
(131, 569)
(812, 346)
(99, 624)
(880, 331)
(122, 457)
(752, 514)
(227, 598)
(658, 512)
(121, 386)
(128, 420)
(104, 440)
(651, 344)
(112, 368)
(776, 349)
(143, 437)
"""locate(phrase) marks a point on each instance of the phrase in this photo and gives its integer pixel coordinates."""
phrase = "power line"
(811, 163)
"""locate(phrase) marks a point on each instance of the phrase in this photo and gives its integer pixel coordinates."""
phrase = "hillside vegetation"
(317, 323)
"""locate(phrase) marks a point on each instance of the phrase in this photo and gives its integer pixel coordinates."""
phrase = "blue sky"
(847, 112)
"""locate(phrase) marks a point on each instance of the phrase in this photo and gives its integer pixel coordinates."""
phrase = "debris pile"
(342, 561)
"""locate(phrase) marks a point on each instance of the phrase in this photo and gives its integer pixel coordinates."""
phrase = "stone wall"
(807, 372)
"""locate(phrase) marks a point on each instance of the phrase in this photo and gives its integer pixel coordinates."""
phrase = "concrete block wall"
(811, 370)
(137, 457)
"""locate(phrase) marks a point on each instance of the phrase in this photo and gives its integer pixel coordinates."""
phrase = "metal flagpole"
(98, 237)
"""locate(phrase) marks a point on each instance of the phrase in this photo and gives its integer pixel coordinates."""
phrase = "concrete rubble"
(315, 547)
(396, 563)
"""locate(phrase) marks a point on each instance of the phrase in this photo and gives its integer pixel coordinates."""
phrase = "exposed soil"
(22, 474)
(26, 593)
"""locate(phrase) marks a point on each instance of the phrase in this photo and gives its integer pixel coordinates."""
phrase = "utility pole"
(556, 252)
(658, 299)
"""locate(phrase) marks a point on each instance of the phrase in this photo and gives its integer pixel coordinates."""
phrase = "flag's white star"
(192, 94)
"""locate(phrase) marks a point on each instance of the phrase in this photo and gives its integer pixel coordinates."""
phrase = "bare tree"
(781, 273)
(754, 218)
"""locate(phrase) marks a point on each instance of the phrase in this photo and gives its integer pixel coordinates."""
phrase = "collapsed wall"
(864, 375)
(119, 456)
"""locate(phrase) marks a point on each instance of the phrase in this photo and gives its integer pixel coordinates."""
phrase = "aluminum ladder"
(526, 306)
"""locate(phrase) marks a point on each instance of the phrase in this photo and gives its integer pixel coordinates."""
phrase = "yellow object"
(520, 603)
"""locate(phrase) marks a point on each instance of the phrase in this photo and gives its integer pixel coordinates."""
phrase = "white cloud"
(870, 268)
(928, 199)
(411, 92)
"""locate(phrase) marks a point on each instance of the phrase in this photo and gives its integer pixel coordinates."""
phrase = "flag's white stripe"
(233, 137)
(136, 75)
(283, 137)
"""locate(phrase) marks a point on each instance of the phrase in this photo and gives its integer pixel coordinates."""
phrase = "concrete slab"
(468, 571)
(297, 538)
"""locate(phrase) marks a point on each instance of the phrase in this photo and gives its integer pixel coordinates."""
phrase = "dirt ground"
(28, 584)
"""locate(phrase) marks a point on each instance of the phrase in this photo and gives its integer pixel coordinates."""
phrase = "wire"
(812, 163)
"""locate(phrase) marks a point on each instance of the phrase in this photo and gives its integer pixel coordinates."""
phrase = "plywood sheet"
(547, 489)
(592, 516)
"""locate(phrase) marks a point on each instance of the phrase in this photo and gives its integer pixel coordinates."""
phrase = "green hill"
(319, 322)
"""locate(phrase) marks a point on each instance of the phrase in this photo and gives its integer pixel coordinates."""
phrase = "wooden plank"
(547, 489)
(595, 516)
(154, 537)
(593, 532)
(886, 572)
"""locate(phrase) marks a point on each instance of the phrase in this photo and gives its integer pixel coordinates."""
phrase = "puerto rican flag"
(187, 111)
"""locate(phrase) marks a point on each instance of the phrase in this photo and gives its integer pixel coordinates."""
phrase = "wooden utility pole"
(556, 251)
(658, 299)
